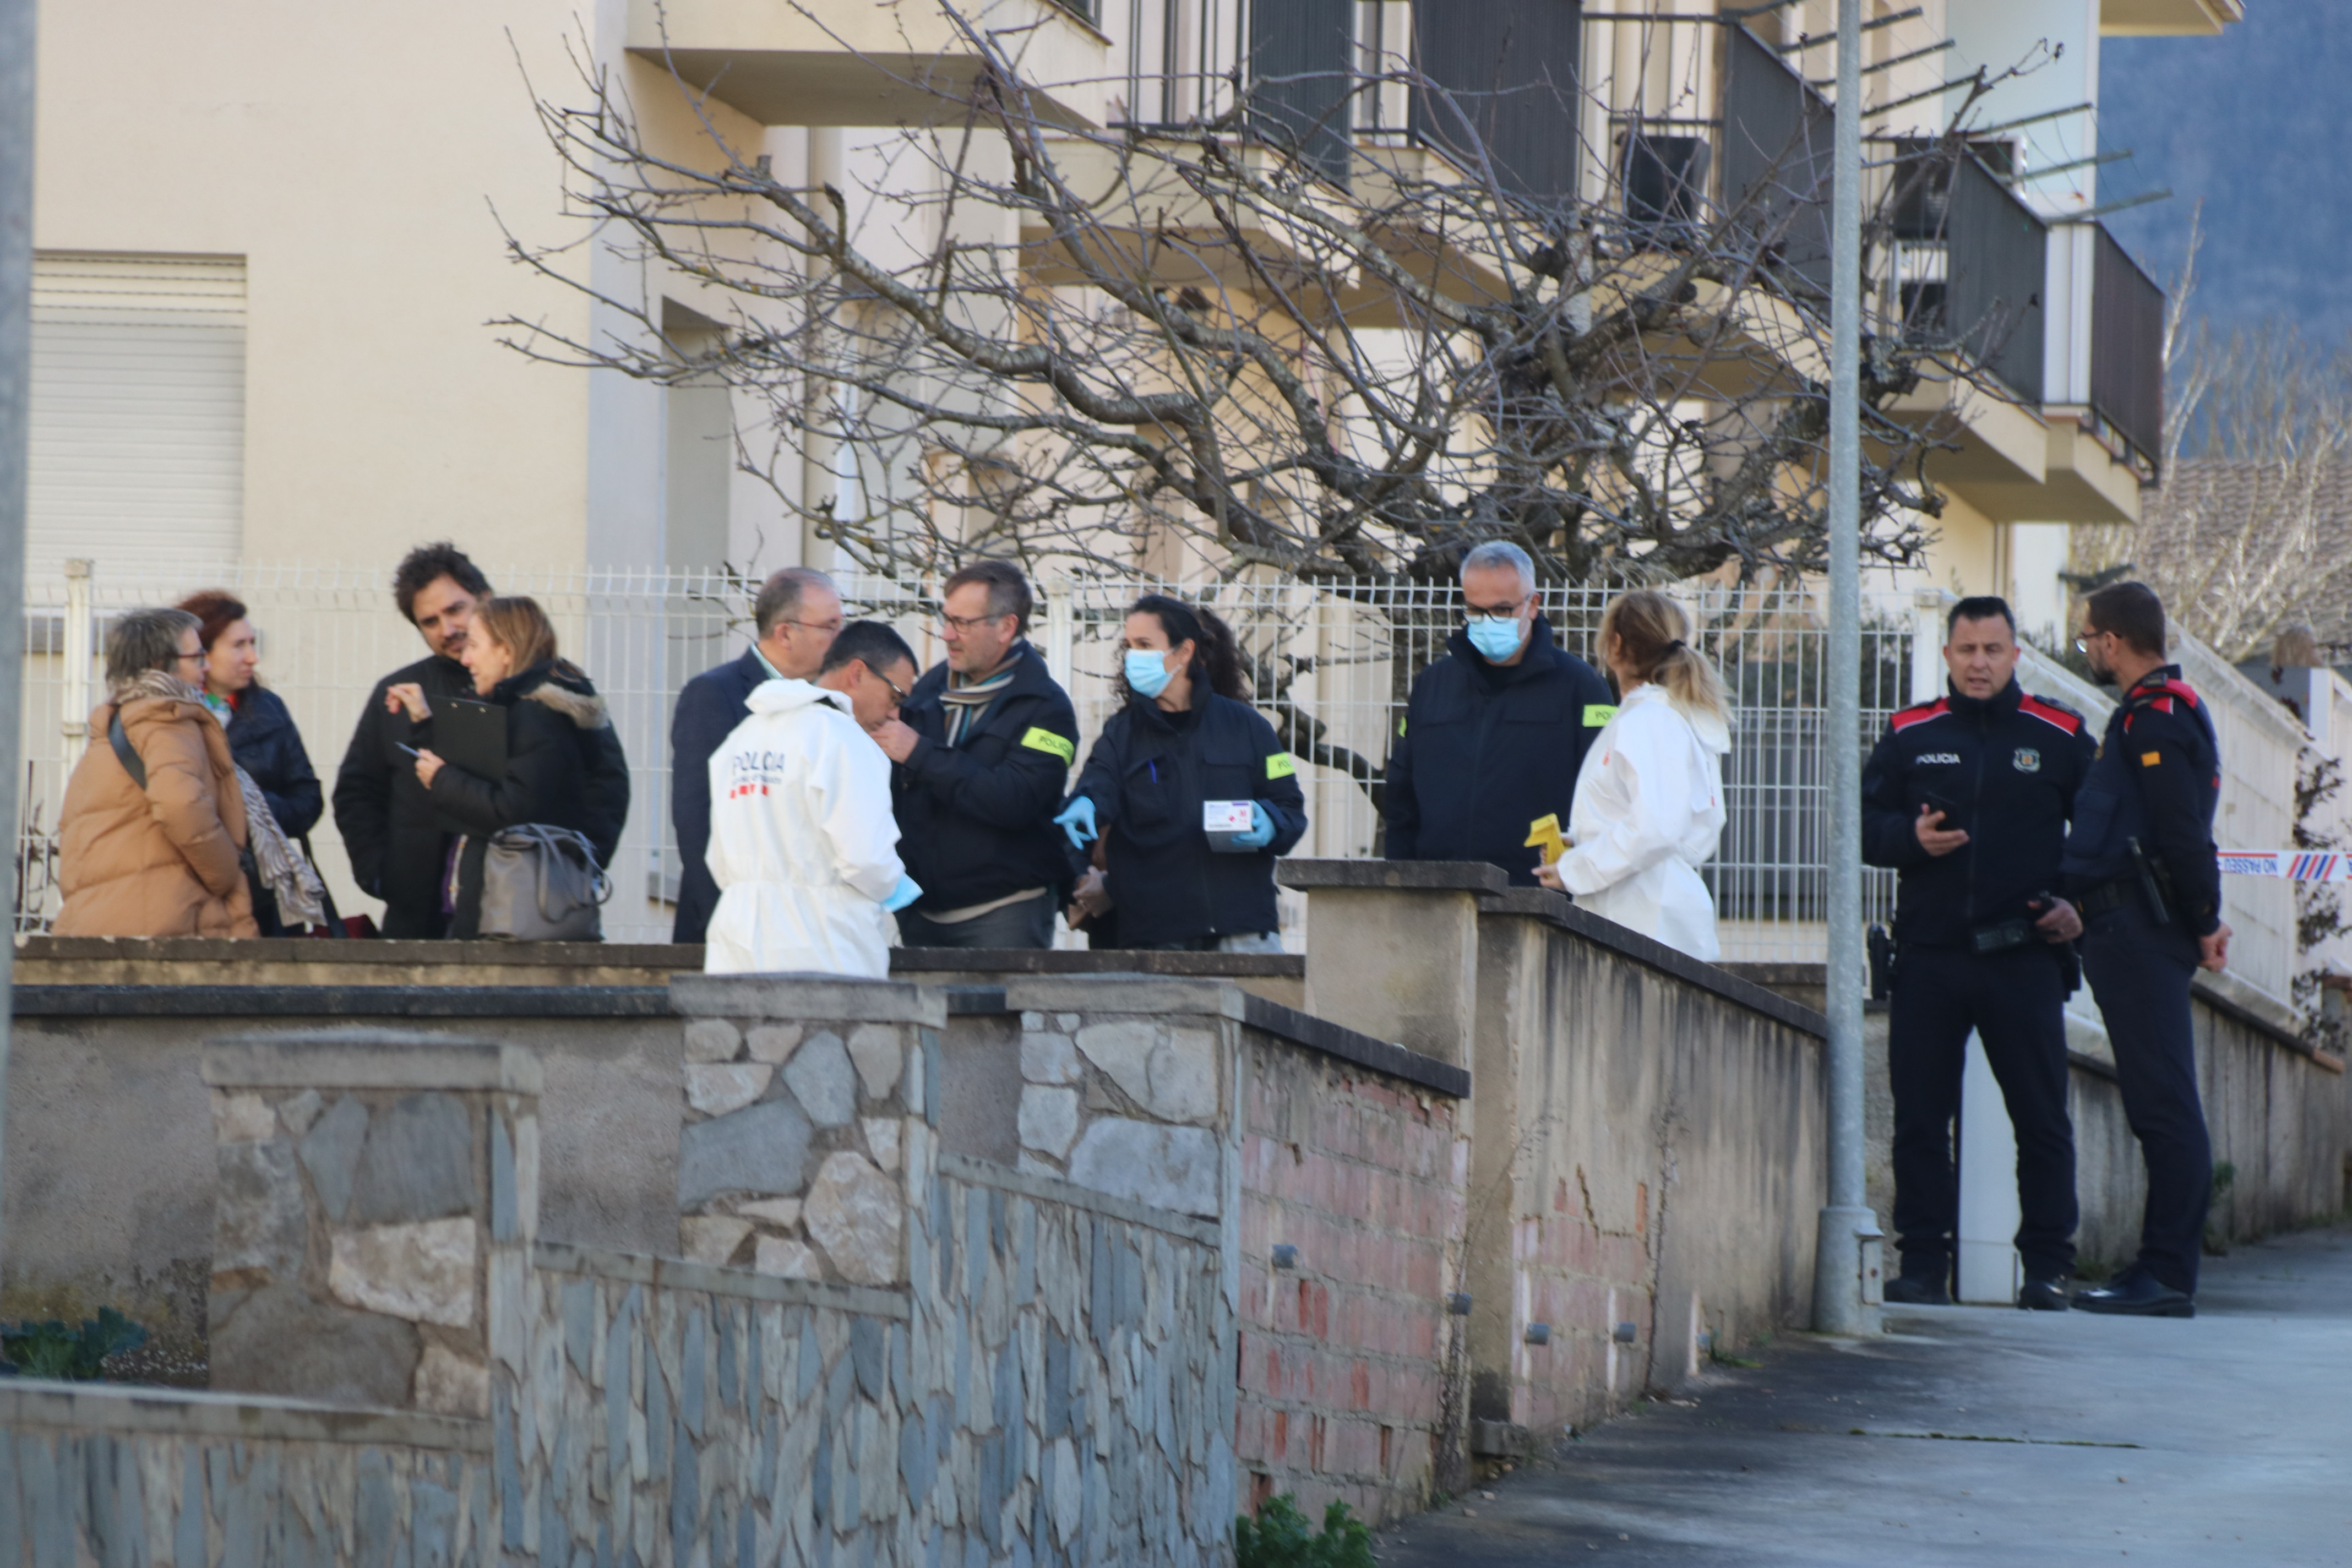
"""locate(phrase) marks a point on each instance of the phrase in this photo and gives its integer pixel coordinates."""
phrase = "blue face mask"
(1146, 673)
(1496, 637)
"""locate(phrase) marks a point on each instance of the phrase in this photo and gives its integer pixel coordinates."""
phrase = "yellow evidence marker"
(1544, 833)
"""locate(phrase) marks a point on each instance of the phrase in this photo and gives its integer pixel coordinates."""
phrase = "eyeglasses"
(966, 625)
(832, 626)
(1496, 611)
(183, 657)
(885, 680)
(2083, 644)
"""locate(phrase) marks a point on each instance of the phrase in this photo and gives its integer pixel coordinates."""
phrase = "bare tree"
(2249, 537)
(1253, 340)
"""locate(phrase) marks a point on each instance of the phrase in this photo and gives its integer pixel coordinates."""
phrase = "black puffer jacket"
(564, 769)
(1149, 774)
(266, 744)
(390, 829)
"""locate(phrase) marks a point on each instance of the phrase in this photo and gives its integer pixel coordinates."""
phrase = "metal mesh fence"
(1332, 665)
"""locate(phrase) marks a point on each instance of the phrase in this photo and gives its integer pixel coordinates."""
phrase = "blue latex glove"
(1078, 820)
(905, 893)
(1261, 829)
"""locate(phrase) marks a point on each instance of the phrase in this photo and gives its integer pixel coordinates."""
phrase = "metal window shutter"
(138, 412)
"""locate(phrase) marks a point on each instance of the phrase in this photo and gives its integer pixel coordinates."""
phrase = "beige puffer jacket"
(162, 861)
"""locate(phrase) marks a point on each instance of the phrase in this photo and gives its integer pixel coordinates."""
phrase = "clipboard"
(471, 735)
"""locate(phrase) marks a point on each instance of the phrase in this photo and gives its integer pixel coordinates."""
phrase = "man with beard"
(390, 829)
(2140, 865)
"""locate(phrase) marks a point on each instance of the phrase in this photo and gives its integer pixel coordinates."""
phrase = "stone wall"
(110, 1171)
(118, 1476)
(378, 1195)
(1342, 1151)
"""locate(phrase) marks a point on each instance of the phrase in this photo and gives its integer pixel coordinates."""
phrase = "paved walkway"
(1974, 1436)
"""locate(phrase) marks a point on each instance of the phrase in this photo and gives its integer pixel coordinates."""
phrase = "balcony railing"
(1302, 61)
(1777, 155)
(2126, 347)
(1996, 262)
(1509, 69)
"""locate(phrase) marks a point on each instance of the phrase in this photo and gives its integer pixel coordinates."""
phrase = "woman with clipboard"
(538, 749)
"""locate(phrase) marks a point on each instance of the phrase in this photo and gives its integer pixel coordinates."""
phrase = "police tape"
(2292, 865)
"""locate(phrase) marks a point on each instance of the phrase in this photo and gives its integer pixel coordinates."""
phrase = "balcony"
(858, 63)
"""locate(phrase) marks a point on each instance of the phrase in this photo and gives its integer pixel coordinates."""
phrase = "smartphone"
(1953, 816)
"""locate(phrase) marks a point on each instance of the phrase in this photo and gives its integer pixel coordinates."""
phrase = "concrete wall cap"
(250, 1417)
(1124, 991)
(368, 1059)
(1419, 876)
(341, 1000)
(304, 950)
(676, 1274)
(811, 998)
(925, 963)
(1723, 982)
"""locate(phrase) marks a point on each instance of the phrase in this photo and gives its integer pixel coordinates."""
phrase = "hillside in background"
(2254, 124)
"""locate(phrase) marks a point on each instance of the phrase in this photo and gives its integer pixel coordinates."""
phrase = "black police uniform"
(1485, 751)
(976, 819)
(2155, 784)
(1148, 775)
(2006, 769)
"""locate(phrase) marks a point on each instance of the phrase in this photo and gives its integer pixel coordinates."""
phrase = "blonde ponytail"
(1654, 636)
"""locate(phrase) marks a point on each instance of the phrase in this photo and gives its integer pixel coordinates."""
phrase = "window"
(138, 411)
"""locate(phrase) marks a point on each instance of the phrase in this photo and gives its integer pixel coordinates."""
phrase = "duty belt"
(2109, 895)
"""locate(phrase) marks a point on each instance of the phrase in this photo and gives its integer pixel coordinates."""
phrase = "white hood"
(1710, 730)
(783, 696)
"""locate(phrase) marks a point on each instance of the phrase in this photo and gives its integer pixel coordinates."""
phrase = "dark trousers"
(2015, 1002)
(2140, 971)
(1029, 923)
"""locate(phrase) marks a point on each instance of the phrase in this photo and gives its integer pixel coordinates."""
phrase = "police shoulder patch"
(1051, 744)
(1280, 765)
(1596, 714)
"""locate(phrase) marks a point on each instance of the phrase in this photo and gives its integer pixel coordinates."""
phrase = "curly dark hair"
(427, 564)
(1216, 655)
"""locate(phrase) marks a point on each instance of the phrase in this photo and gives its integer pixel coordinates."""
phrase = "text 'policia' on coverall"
(803, 845)
(2156, 784)
(2008, 769)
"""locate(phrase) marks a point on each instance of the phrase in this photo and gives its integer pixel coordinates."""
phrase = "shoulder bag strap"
(132, 762)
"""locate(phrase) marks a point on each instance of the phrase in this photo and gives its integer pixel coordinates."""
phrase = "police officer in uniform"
(2142, 868)
(1967, 798)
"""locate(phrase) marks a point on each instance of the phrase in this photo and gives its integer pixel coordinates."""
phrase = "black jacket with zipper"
(1149, 774)
(1485, 751)
(976, 819)
(564, 769)
(389, 826)
(2007, 768)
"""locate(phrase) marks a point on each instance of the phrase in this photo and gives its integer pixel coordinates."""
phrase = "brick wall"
(1344, 1355)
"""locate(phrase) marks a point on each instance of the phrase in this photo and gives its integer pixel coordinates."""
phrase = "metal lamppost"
(1847, 1259)
(16, 417)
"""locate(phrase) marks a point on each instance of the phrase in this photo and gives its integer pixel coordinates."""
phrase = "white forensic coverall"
(803, 844)
(1648, 812)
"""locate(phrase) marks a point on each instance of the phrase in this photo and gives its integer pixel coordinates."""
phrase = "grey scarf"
(963, 702)
(301, 896)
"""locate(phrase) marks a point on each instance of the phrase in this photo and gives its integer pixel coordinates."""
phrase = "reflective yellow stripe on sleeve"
(1280, 765)
(1049, 743)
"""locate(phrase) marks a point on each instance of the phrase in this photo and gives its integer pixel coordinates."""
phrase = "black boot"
(2043, 1295)
(2136, 1294)
(1920, 1286)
